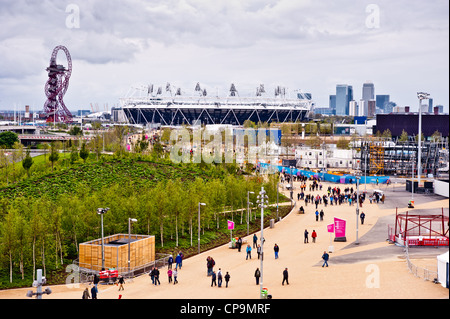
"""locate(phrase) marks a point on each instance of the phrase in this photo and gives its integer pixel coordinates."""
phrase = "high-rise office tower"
(368, 91)
(353, 108)
(381, 103)
(362, 108)
(430, 105)
(332, 104)
(344, 94)
(371, 108)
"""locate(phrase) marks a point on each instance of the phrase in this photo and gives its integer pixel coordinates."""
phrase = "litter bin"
(233, 243)
(264, 293)
(272, 223)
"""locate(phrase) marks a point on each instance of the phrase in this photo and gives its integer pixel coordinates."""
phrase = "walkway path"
(350, 275)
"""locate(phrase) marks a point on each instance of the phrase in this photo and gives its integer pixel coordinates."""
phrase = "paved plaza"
(373, 269)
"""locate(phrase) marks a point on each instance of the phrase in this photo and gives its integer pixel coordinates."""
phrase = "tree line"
(45, 233)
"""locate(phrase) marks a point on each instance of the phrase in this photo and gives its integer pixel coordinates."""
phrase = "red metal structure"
(421, 229)
(109, 276)
(56, 87)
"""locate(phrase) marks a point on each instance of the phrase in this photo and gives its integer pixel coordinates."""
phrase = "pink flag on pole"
(230, 225)
(339, 227)
(330, 228)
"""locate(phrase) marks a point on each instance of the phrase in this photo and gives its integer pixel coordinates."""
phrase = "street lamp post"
(248, 210)
(421, 96)
(277, 199)
(130, 220)
(199, 204)
(357, 208)
(102, 211)
(262, 203)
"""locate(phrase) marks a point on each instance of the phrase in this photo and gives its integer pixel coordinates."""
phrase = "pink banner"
(330, 228)
(339, 227)
(230, 225)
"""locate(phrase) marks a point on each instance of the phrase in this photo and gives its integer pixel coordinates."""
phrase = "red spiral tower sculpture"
(56, 87)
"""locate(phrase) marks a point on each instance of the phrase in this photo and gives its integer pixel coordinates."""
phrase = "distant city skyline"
(400, 46)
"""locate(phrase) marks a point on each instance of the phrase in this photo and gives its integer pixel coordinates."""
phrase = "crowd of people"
(333, 196)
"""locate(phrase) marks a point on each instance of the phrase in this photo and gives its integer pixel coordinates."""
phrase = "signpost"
(330, 229)
(230, 227)
(339, 229)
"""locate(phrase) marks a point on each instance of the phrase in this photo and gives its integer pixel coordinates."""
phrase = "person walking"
(321, 214)
(156, 274)
(94, 292)
(219, 278)
(178, 261)
(305, 241)
(96, 280)
(169, 275)
(285, 276)
(239, 244)
(258, 251)
(175, 276)
(276, 249)
(325, 258)
(255, 241)
(213, 278)
(227, 279)
(317, 215)
(257, 275)
(152, 275)
(313, 236)
(121, 283)
(169, 262)
(362, 216)
(86, 294)
(249, 252)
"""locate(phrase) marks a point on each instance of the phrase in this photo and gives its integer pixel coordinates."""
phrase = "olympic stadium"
(172, 107)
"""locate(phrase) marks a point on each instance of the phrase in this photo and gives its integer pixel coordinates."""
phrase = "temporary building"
(442, 261)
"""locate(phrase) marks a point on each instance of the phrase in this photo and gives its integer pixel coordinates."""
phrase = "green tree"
(27, 162)
(7, 139)
(8, 239)
(76, 131)
(84, 152)
(54, 155)
(73, 155)
(403, 137)
(342, 143)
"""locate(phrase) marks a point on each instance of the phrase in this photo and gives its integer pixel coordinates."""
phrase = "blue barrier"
(343, 179)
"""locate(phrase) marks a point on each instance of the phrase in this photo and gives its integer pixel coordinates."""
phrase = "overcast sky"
(402, 46)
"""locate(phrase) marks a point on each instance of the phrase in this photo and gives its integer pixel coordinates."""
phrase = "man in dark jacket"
(156, 274)
(227, 279)
(325, 258)
(285, 276)
(257, 275)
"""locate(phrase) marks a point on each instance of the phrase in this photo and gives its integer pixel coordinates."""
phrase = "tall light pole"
(102, 211)
(277, 199)
(248, 210)
(262, 203)
(199, 204)
(421, 96)
(130, 220)
(357, 207)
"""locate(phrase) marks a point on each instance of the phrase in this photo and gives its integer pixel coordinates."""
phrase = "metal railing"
(421, 272)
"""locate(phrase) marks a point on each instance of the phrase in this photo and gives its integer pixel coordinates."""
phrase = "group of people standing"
(216, 278)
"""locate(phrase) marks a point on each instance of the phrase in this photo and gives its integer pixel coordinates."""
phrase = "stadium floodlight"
(101, 211)
(421, 96)
(130, 220)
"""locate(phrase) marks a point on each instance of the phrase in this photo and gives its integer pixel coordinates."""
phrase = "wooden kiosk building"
(142, 252)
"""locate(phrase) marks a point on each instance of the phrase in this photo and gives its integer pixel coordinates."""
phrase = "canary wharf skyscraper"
(344, 94)
(368, 93)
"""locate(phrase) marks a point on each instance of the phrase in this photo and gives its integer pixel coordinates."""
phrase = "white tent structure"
(443, 269)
